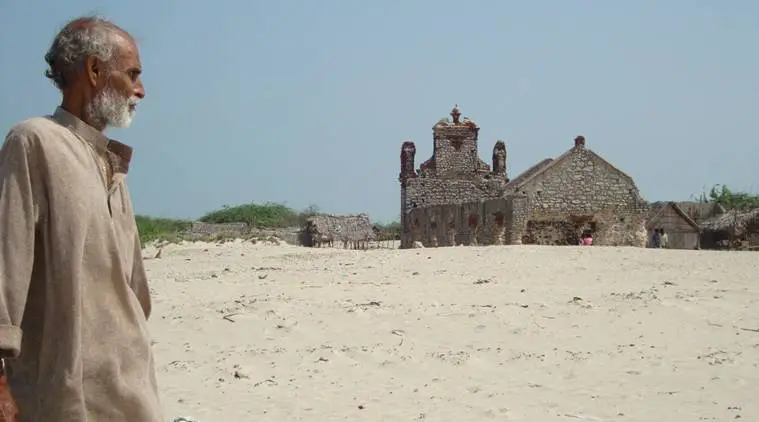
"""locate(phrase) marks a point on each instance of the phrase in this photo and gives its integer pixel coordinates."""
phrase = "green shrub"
(159, 228)
(388, 231)
(268, 215)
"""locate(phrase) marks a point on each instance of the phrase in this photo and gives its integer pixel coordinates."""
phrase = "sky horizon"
(308, 104)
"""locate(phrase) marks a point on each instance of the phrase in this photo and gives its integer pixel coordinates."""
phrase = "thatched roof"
(342, 227)
(737, 220)
(696, 211)
(700, 211)
(655, 209)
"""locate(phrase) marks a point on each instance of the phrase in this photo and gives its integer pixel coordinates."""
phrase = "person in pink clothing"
(586, 239)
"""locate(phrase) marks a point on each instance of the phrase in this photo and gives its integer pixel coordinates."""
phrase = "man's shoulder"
(34, 125)
(33, 133)
(33, 129)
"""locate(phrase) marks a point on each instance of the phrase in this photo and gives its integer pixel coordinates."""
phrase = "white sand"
(456, 334)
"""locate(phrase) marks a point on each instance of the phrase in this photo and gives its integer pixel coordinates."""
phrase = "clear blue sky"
(308, 101)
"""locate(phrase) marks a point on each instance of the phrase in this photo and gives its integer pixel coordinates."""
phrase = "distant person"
(664, 239)
(656, 239)
(587, 240)
(74, 298)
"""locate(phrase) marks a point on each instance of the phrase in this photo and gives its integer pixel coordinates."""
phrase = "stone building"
(576, 192)
(454, 174)
(455, 198)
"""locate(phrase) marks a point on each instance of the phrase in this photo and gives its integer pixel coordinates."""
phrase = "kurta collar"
(120, 152)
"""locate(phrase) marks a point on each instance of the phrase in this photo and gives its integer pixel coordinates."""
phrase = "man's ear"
(93, 68)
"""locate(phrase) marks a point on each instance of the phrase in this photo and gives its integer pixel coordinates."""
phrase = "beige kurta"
(74, 299)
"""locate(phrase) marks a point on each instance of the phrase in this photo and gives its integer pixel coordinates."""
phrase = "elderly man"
(74, 298)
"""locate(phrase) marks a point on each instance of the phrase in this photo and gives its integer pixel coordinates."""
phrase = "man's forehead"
(127, 48)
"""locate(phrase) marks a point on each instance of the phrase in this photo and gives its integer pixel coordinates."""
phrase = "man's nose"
(139, 90)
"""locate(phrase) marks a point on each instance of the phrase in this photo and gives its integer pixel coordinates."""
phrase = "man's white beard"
(111, 109)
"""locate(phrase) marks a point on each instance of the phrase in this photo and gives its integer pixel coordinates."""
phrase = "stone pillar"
(473, 230)
(404, 218)
(452, 233)
(498, 229)
(416, 235)
(519, 213)
(433, 235)
(407, 173)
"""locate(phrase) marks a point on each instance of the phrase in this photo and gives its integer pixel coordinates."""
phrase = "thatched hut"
(353, 231)
(701, 211)
(732, 230)
(682, 231)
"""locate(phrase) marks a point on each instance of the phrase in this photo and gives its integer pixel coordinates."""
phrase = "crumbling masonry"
(456, 198)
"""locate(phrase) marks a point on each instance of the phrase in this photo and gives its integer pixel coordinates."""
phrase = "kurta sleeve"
(18, 217)
(139, 282)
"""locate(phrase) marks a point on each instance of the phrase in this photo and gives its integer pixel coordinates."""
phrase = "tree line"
(730, 199)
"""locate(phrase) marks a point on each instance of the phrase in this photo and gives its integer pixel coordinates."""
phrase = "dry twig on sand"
(228, 317)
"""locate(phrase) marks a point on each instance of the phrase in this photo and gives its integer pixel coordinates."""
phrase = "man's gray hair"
(81, 37)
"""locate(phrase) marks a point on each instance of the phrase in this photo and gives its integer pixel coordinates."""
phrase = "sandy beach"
(248, 332)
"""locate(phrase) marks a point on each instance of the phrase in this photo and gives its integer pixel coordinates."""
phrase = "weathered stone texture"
(454, 175)
(425, 192)
(499, 160)
(455, 198)
(455, 153)
(488, 222)
(580, 185)
(519, 210)
(480, 222)
(581, 182)
(211, 229)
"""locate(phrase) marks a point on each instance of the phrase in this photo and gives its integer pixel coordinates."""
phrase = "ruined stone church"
(456, 198)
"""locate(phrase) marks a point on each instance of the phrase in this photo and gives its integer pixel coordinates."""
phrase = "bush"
(269, 215)
(159, 228)
(388, 231)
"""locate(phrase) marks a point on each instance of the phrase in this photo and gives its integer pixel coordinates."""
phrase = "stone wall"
(200, 230)
(455, 197)
(454, 177)
(455, 158)
(473, 223)
(520, 212)
(582, 190)
(489, 222)
(290, 235)
(424, 192)
(211, 229)
(443, 194)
